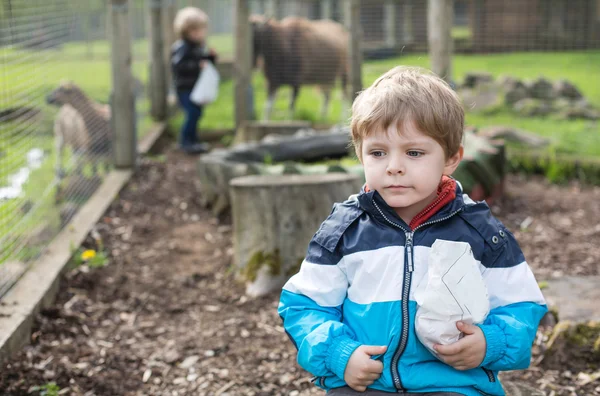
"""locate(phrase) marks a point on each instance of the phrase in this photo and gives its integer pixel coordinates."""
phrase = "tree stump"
(274, 218)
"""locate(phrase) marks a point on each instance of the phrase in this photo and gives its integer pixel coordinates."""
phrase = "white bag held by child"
(206, 88)
(454, 291)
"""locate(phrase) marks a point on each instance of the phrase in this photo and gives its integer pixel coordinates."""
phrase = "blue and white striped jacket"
(356, 285)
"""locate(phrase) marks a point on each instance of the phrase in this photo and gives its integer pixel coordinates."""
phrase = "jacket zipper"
(408, 270)
(490, 374)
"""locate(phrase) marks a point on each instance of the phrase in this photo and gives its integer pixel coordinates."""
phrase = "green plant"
(90, 257)
(49, 389)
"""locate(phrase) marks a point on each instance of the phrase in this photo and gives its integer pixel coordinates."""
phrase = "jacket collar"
(375, 205)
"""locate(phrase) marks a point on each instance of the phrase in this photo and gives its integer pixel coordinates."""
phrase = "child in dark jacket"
(188, 56)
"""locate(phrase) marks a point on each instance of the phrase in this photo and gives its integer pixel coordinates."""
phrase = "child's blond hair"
(189, 18)
(409, 94)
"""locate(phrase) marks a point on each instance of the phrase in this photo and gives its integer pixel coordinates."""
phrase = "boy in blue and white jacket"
(350, 310)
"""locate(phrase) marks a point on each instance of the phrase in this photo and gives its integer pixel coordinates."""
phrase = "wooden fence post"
(243, 61)
(407, 22)
(440, 18)
(352, 22)
(169, 37)
(389, 23)
(122, 97)
(158, 73)
(272, 8)
(326, 9)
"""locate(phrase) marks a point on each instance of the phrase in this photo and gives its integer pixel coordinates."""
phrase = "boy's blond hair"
(189, 18)
(406, 94)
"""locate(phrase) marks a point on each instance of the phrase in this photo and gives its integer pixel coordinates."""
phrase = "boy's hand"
(361, 370)
(468, 352)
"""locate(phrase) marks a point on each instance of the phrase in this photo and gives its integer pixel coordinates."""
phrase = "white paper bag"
(454, 291)
(206, 88)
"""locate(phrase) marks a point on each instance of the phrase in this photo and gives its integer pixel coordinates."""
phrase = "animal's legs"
(269, 104)
(325, 104)
(346, 101)
(293, 98)
(59, 172)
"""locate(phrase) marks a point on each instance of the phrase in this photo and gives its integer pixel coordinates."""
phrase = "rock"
(484, 96)
(285, 379)
(515, 94)
(581, 103)
(171, 356)
(532, 107)
(514, 135)
(189, 361)
(574, 298)
(474, 79)
(565, 89)
(541, 89)
(508, 82)
(562, 104)
(574, 113)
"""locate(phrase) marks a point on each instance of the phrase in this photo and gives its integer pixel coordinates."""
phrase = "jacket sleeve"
(179, 59)
(311, 309)
(516, 304)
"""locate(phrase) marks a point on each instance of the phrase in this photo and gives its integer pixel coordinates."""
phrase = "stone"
(482, 97)
(532, 107)
(562, 104)
(565, 89)
(574, 298)
(189, 361)
(474, 79)
(514, 94)
(171, 356)
(508, 82)
(541, 89)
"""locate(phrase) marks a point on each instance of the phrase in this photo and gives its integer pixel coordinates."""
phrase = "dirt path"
(165, 317)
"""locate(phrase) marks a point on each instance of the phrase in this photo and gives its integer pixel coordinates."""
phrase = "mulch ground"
(165, 316)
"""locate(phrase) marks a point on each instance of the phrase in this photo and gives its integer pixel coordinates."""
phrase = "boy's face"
(196, 34)
(405, 168)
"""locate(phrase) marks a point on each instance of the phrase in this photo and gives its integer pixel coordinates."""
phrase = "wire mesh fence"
(55, 117)
(55, 82)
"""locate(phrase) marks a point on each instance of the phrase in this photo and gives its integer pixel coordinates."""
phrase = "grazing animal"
(297, 51)
(82, 124)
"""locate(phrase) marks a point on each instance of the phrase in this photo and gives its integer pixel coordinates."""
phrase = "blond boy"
(350, 310)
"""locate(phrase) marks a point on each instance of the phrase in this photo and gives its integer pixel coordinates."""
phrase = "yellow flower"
(88, 255)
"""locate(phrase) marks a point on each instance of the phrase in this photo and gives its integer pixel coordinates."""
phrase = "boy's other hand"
(361, 370)
(468, 352)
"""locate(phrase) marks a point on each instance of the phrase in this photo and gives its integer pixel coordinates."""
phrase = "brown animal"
(297, 51)
(82, 124)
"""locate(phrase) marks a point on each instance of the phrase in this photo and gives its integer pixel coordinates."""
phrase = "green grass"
(27, 76)
(581, 68)
(100, 49)
(461, 32)
(25, 79)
